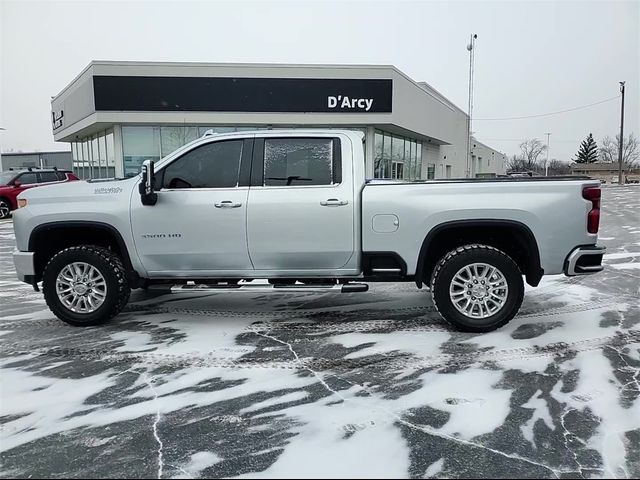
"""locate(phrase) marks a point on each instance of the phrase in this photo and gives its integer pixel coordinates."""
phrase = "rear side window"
(27, 178)
(61, 175)
(46, 177)
(301, 161)
(214, 165)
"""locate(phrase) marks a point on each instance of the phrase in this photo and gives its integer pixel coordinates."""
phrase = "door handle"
(228, 204)
(333, 202)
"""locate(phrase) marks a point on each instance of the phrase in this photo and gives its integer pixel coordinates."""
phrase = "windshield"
(6, 177)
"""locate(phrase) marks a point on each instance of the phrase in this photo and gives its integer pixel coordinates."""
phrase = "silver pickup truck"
(293, 207)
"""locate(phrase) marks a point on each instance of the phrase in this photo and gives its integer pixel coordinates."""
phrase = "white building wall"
(487, 160)
(430, 156)
(419, 113)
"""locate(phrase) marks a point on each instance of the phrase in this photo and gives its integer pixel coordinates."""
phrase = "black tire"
(5, 208)
(108, 264)
(452, 262)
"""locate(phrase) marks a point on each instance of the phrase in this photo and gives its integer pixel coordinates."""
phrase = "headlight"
(22, 202)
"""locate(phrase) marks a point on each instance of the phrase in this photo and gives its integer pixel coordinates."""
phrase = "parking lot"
(225, 384)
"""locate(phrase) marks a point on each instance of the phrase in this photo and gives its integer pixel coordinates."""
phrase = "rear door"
(301, 212)
(48, 177)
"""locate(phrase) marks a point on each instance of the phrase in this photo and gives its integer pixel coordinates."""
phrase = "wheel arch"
(513, 237)
(49, 238)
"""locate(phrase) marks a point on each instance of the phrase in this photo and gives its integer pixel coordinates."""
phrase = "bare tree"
(527, 159)
(609, 150)
(531, 149)
(515, 163)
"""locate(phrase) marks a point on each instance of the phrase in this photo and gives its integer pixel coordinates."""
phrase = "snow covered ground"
(194, 384)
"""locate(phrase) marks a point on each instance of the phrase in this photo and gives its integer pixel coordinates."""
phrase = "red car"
(14, 182)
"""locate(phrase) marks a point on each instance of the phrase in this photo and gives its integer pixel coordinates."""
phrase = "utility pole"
(621, 141)
(546, 164)
(471, 48)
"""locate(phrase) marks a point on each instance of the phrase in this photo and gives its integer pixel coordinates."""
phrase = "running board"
(279, 288)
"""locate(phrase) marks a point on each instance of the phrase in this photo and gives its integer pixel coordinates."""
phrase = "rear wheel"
(85, 285)
(477, 288)
(5, 208)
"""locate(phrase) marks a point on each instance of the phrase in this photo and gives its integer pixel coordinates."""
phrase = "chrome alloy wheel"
(478, 290)
(81, 287)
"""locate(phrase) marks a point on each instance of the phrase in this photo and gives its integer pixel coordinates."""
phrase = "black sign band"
(227, 94)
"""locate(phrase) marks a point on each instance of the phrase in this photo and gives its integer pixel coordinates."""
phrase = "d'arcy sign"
(232, 94)
(346, 103)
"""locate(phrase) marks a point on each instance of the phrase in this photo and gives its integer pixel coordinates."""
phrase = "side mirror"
(17, 184)
(147, 185)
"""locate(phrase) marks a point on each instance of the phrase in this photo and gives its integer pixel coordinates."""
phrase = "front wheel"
(477, 288)
(85, 285)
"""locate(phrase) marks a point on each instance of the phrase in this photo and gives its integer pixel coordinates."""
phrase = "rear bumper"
(584, 260)
(25, 268)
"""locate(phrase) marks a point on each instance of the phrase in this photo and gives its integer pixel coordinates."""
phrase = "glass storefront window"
(102, 152)
(396, 157)
(397, 152)
(386, 156)
(139, 144)
(407, 158)
(94, 156)
(86, 157)
(173, 138)
(378, 156)
(111, 147)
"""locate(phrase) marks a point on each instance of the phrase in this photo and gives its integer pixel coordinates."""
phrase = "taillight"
(593, 194)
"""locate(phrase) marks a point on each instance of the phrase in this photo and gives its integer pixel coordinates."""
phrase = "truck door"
(301, 205)
(198, 225)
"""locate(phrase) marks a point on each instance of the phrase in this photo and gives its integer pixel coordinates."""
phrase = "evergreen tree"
(588, 152)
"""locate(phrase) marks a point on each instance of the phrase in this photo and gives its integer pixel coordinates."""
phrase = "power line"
(523, 139)
(551, 113)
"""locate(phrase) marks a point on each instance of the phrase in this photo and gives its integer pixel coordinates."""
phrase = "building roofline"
(75, 79)
(486, 146)
(430, 90)
(436, 93)
(9, 154)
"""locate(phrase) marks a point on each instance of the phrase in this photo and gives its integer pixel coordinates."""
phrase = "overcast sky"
(532, 57)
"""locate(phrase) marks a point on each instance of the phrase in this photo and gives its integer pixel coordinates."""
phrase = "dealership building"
(117, 114)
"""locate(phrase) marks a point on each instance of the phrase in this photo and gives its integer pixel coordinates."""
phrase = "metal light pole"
(621, 141)
(471, 48)
(546, 164)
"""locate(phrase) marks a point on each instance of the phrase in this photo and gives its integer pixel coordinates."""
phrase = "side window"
(61, 175)
(28, 178)
(213, 165)
(301, 161)
(46, 177)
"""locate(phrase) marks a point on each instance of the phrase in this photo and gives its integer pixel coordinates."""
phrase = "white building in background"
(117, 114)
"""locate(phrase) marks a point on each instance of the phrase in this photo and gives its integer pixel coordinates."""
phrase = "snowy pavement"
(193, 384)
